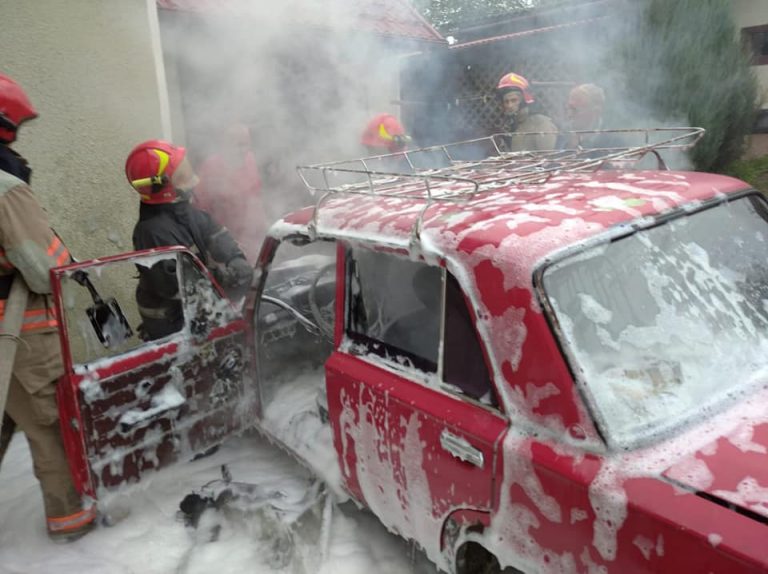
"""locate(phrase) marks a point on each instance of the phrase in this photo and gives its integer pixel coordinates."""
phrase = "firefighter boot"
(65, 529)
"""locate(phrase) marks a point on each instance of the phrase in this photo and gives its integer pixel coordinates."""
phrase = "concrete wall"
(748, 13)
(93, 69)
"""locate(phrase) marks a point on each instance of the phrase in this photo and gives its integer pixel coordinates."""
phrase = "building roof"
(390, 18)
(534, 21)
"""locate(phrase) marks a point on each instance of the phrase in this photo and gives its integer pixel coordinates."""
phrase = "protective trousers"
(32, 406)
(9, 427)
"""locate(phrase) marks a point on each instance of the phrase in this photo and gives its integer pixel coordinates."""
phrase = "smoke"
(301, 74)
(662, 63)
(305, 77)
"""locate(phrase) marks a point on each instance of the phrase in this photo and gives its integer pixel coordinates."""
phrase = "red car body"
(533, 473)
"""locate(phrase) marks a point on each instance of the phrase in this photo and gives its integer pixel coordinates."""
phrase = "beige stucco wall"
(748, 13)
(93, 69)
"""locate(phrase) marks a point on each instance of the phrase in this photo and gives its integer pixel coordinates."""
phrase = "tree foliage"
(682, 60)
(662, 62)
(449, 14)
(753, 171)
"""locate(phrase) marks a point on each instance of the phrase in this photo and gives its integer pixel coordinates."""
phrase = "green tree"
(447, 15)
(682, 59)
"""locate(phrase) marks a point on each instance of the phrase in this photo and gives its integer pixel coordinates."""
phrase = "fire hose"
(10, 327)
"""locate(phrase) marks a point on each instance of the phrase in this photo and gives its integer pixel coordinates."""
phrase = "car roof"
(539, 218)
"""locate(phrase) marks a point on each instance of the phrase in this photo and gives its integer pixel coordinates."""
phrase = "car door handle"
(165, 401)
(461, 449)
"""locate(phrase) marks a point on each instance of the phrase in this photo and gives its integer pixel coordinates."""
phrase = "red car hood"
(732, 469)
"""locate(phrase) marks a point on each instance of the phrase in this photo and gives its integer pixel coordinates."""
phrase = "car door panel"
(195, 407)
(357, 411)
(413, 448)
(388, 434)
(157, 402)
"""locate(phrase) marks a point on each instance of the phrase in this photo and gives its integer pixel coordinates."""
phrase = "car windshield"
(670, 322)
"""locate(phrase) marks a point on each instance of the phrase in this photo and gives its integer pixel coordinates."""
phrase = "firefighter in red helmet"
(29, 249)
(384, 134)
(230, 189)
(528, 130)
(164, 179)
(15, 109)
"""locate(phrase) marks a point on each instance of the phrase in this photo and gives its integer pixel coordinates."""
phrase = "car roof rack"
(457, 172)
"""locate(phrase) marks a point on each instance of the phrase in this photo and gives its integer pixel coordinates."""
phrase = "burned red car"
(528, 362)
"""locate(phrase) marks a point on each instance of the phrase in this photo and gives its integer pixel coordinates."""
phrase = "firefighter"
(160, 172)
(30, 248)
(520, 116)
(384, 134)
(584, 112)
(230, 189)
(585, 107)
(384, 138)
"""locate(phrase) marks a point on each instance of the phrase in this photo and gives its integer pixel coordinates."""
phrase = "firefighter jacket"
(14, 164)
(540, 133)
(180, 223)
(28, 245)
(596, 141)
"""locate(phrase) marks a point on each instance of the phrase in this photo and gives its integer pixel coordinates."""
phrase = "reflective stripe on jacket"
(34, 319)
(28, 246)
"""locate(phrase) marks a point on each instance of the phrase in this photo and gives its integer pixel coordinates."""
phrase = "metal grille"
(451, 96)
(478, 108)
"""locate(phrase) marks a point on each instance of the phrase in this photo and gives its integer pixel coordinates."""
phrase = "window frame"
(748, 35)
(265, 269)
(385, 352)
(379, 348)
(84, 349)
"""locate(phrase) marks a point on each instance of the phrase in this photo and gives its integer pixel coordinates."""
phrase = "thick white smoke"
(303, 75)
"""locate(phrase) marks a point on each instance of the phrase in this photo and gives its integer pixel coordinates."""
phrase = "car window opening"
(292, 322)
(401, 311)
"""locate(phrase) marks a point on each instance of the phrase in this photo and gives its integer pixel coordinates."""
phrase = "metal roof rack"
(457, 172)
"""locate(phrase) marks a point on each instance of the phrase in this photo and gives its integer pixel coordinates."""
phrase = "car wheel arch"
(466, 554)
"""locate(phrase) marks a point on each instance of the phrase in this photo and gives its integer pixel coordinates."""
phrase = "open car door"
(146, 387)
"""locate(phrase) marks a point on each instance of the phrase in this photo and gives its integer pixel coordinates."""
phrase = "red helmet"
(384, 131)
(15, 108)
(509, 82)
(156, 169)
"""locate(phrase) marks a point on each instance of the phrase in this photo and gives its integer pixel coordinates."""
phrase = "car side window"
(416, 315)
(158, 299)
(204, 307)
(397, 302)
(464, 365)
(113, 307)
